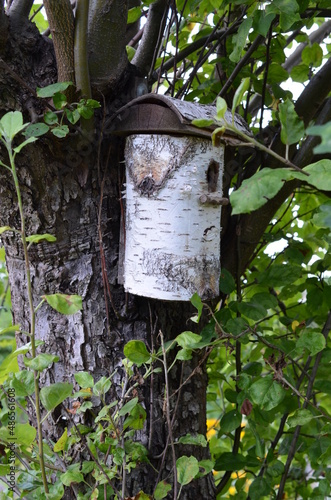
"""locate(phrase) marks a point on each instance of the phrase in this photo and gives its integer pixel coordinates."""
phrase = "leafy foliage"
(268, 338)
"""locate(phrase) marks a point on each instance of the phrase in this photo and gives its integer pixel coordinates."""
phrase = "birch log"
(172, 239)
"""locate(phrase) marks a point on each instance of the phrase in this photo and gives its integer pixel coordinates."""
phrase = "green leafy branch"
(11, 124)
(266, 183)
(54, 119)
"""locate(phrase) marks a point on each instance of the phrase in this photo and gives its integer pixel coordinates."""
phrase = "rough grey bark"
(61, 188)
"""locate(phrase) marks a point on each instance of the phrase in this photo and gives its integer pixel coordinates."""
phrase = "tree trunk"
(72, 188)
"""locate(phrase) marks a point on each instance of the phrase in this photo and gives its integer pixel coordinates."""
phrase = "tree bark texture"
(172, 238)
(71, 188)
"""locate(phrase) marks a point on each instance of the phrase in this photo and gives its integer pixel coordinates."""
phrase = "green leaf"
(24, 434)
(319, 175)
(259, 448)
(227, 282)
(36, 238)
(10, 365)
(253, 368)
(55, 394)
(202, 122)
(252, 310)
(51, 118)
(240, 39)
(277, 74)
(71, 476)
(325, 132)
(85, 111)
(314, 342)
(198, 304)
(292, 127)
(5, 228)
(184, 354)
(262, 22)
(323, 217)
(221, 108)
(162, 490)
(243, 87)
(136, 419)
(136, 351)
(300, 73)
(36, 130)
(288, 11)
(275, 469)
(187, 340)
(300, 417)
(73, 116)
(11, 124)
(64, 304)
(230, 462)
(217, 134)
(197, 440)
(84, 380)
(187, 469)
(267, 393)
(258, 189)
(230, 421)
(41, 361)
(128, 407)
(207, 466)
(102, 386)
(134, 14)
(259, 488)
(61, 131)
(23, 383)
(130, 52)
(312, 55)
(52, 89)
(92, 103)
(10, 329)
(61, 442)
(59, 100)
(23, 144)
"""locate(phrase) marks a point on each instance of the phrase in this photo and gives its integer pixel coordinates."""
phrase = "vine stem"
(168, 414)
(250, 141)
(32, 332)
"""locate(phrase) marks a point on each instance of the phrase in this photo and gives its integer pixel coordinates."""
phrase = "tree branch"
(258, 40)
(314, 94)
(326, 330)
(19, 11)
(80, 48)
(294, 59)
(106, 42)
(252, 226)
(61, 23)
(316, 37)
(152, 36)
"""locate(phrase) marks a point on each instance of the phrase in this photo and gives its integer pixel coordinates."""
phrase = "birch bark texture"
(173, 217)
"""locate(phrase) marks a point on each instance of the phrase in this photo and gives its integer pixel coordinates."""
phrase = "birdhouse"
(173, 199)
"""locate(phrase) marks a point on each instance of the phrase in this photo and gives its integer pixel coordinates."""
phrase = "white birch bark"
(172, 239)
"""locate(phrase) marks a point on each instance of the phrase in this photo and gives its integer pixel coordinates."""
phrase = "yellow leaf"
(59, 446)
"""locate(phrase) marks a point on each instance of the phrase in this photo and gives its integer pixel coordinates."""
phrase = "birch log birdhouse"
(173, 199)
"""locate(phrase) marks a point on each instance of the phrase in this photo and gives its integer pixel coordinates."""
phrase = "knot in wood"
(147, 186)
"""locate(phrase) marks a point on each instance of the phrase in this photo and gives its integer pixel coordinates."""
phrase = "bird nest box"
(173, 199)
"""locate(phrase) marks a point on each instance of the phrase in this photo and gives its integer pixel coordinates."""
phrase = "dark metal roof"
(159, 114)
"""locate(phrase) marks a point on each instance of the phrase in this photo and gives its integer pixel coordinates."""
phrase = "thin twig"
(168, 413)
(326, 330)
